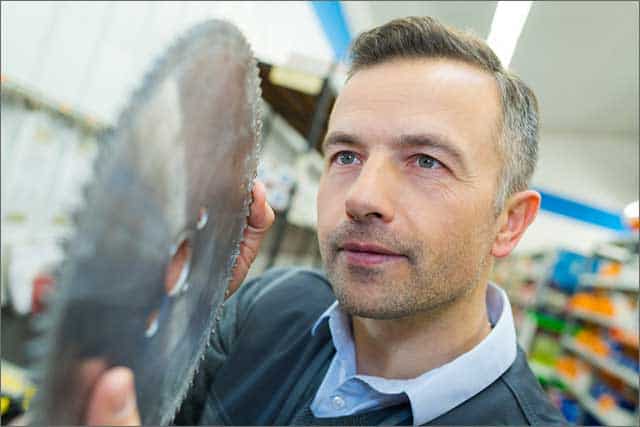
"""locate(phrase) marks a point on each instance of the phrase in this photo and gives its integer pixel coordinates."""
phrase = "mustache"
(371, 233)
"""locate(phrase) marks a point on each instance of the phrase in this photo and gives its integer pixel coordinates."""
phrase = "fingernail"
(123, 399)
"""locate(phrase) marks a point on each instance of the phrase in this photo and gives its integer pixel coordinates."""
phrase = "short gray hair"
(425, 37)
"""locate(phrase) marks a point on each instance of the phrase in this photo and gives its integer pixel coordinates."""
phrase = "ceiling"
(580, 58)
(467, 15)
(582, 62)
(90, 55)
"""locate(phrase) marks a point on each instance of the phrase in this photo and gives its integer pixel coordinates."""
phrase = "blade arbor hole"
(178, 268)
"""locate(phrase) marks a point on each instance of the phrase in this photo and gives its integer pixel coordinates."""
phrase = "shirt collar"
(441, 389)
(327, 313)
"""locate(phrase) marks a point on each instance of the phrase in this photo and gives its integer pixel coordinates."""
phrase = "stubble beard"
(427, 281)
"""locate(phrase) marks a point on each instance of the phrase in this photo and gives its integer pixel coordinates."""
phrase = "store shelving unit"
(14, 92)
(609, 417)
(598, 320)
(557, 329)
(623, 373)
(616, 284)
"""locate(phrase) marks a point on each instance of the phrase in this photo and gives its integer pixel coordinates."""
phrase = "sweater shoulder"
(283, 295)
(283, 279)
(515, 398)
(529, 395)
(264, 332)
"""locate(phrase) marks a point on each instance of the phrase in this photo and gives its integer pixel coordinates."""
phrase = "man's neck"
(408, 347)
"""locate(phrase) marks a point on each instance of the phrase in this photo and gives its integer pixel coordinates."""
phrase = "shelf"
(599, 319)
(613, 283)
(611, 417)
(36, 99)
(622, 372)
(555, 309)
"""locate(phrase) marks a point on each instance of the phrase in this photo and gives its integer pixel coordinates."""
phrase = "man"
(428, 155)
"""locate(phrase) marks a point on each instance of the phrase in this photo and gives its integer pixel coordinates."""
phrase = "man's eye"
(346, 158)
(427, 162)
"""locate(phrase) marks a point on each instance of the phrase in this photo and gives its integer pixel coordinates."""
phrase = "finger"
(260, 220)
(261, 216)
(113, 401)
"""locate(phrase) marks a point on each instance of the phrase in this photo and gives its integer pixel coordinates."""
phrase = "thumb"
(113, 401)
(260, 219)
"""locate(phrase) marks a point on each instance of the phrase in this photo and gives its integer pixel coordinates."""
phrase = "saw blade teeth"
(62, 265)
(37, 349)
(39, 323)
(76, 214)
(190, 382)
(256, 125)
(86, 192)
(65, 241)
(111, 144)
(104, 152)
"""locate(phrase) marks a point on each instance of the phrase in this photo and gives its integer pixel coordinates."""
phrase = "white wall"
(599, 170)
(90, 55)
(552, 231)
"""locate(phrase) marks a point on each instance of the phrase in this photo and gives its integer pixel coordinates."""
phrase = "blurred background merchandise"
(69, 67)
(577, 318)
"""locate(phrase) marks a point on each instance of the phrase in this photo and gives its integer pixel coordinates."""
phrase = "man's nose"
(369, 195)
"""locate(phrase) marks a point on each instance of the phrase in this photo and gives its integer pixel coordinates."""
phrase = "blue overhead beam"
(581, 211)
(331, 16)
(334, 24)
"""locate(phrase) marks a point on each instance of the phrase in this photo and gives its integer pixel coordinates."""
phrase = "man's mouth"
(367, 254)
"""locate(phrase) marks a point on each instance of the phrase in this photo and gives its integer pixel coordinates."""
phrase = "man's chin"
(371, 307)
(370, 296)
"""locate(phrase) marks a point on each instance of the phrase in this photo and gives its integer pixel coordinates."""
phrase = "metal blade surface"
(154, 245)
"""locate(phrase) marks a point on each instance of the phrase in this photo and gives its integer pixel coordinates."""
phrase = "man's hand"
(113, 399)
(260, 220)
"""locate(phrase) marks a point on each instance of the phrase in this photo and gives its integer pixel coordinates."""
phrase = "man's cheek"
(330, 207)
(324, 204)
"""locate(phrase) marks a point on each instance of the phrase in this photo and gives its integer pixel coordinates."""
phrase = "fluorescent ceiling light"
(506, 27)
(632, 210)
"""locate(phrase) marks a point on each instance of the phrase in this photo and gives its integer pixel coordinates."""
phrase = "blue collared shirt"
(343, 392)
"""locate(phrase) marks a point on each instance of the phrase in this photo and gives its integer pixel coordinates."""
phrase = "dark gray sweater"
(263, 367)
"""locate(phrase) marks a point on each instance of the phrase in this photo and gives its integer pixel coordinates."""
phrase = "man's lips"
(368, 254)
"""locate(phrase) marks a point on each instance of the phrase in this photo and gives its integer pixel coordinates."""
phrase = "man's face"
(405, 207)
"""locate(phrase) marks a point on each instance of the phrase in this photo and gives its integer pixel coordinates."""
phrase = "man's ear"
(519, 211)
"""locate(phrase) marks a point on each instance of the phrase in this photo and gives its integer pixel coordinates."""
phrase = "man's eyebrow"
(338, 137)
(437, 142)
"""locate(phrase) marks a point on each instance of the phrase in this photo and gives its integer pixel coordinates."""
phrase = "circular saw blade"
(155, 244)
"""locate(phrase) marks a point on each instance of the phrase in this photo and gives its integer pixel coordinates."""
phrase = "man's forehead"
(417, 96)
(418, 77)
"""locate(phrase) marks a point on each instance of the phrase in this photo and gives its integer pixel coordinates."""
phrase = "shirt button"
(338, 402)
